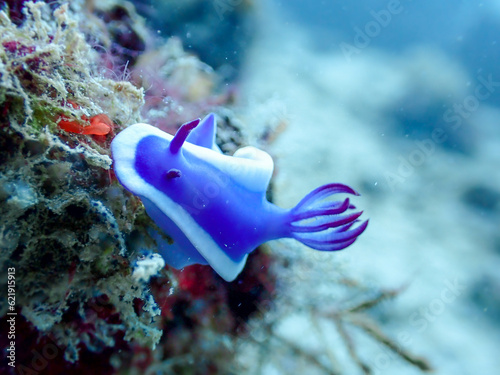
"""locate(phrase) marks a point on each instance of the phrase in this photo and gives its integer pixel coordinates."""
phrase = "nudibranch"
(214, 206)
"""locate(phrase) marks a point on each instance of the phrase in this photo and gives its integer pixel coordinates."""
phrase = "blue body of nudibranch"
(214, 206)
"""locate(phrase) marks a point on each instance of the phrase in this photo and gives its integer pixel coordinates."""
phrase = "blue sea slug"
(214, 206)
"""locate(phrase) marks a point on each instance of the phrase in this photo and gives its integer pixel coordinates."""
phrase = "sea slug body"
(214, 206)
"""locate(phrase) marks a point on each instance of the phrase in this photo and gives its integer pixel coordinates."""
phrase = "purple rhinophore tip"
(181, 135)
